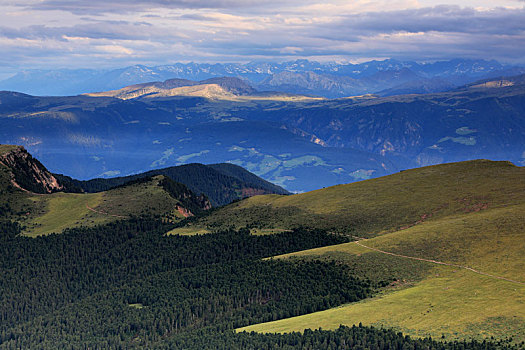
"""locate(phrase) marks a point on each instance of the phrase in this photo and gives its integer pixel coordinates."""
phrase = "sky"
(44, 34)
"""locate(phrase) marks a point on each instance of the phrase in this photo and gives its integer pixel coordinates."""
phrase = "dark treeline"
(343, 338)
(128, 285)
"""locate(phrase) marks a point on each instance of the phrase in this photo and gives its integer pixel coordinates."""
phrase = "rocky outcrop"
(28, 173)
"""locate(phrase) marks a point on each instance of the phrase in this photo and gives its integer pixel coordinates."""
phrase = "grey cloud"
(98, 30)
(127, 6)
(439, 19)
(197, 17)
(462, 32)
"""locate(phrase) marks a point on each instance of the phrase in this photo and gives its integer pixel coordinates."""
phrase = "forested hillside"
(126, 284)
(36, 199)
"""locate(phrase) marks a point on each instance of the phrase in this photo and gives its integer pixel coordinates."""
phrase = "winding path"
(441, 263)
(104, 213)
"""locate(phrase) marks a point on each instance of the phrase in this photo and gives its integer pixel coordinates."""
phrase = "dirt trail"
(104, 213)
(441, 263)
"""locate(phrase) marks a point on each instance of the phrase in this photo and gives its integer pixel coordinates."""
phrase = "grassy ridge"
(55, 212)
(447, 300)
(384, 204)
(59, 211)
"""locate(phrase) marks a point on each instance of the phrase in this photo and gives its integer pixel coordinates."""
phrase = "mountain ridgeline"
(40, 203)
(330, 80)
(221, 183)
(300, 144)
(222, 87)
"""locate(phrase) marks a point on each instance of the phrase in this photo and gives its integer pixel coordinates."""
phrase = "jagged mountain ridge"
(324, 79)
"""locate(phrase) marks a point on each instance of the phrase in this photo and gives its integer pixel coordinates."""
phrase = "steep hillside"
(221, 183)
(258, 185)
(377, 206)
(419, 130)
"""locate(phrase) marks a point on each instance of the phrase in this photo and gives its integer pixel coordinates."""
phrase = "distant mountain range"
(331, 80)
(294, 141)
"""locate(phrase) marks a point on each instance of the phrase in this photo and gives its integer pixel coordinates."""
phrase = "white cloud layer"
(97, 33)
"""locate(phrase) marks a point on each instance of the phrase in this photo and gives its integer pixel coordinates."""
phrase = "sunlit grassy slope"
(384, 204)
(56, 212)
(437, 300)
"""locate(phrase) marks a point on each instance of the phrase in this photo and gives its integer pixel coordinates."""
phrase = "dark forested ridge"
(221, 183)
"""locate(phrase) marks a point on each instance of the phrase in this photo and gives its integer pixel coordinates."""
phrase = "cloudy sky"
(116, 33)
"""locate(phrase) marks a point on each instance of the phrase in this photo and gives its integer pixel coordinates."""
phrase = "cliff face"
(28, 173)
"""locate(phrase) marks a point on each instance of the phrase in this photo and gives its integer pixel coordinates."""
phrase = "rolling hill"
(374, 207)
(430, 252)
(215, 88)
(460, 276)
(452, 270)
